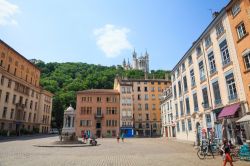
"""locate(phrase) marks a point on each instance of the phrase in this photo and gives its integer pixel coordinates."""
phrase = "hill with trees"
(65, 79)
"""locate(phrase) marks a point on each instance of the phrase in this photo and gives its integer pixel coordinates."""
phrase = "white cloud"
(112, 40)
(7, 12)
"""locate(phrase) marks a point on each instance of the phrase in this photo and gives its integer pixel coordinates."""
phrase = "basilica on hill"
(139, 63)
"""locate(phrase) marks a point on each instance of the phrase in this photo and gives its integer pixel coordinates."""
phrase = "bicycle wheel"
(200, 154)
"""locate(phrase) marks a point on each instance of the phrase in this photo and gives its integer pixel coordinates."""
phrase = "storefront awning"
(245, 118)
(229, 111)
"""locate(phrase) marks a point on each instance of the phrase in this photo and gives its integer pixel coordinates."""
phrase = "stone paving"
(132, 152)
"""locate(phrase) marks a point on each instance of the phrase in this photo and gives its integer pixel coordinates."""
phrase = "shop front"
(230, 129)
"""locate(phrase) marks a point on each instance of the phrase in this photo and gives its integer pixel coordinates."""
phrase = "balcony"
(212, 71)
(225, 62)
(98, 116)
(205, 105)
(217, 102)
(232, 97)
(20, 106)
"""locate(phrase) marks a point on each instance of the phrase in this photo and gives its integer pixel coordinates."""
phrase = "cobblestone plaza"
(132, 152)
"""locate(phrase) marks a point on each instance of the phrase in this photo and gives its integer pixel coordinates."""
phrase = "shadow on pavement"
(26, 137)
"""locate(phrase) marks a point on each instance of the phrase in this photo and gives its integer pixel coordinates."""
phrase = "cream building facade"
(24, 105)
(167, 114)
(207, 85)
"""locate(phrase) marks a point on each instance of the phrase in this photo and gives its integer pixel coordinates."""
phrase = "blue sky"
(104, 31)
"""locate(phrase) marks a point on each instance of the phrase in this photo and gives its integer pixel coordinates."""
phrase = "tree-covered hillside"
(65, 79)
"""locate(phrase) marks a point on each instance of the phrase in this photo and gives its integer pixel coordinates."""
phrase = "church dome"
(70, 109)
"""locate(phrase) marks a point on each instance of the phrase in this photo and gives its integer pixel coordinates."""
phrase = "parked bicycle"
(206, 148)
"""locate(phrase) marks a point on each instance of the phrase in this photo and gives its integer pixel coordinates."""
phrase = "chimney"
(215, 14)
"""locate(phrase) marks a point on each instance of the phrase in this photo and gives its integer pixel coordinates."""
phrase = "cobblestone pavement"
(132, 152)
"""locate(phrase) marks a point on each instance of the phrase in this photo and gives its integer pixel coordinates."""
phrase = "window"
(224, 53)
(147, 116)
(185, 84)
(181, 108)
(179, 86)
(189, 125)
(216, 89)
(139, 97)
(0, 93)
(208, 120)
(123, 90)
(14, 99)
(190, 60)
(247, 60)
(178, 127)
(205, 98)
(192, 78)
(99, 99)
(31, 104)
(145, 89)
(159, 89)
(176, 109)
(232, 92)
(202, 71)
(183, 67)
(153, 96)
(152, 89)
(12, 114)
(235, 9)
(153, 107)
(9, 83)
(219, 29)
(4, 112)
(183, 125)
(198, 50)
(139, 107)
(2, 80)
(195, 99)
(187, 106)
(241, 30)
(138, 89)
(208, 41)
(211, 62)
(147, 125)
(7, 97)
(175, 94)
(146, 96)
(146, 106)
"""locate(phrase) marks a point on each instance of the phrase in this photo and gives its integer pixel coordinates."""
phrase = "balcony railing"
(227, 61)
(205, 105)
(217, 102)
(98, 115)
(203, 78)
(232, 97)
(212, 71)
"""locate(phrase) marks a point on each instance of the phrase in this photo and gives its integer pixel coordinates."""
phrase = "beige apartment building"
(168, 124)
(24, 105)
(146, 104)
(207, 86)
(126, 106)
(98, 113)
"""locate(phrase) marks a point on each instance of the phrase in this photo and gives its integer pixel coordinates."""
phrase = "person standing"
(118, 138)
(226, 151)
(122, 136)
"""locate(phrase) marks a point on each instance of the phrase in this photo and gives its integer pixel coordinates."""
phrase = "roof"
(1, 41)
(204, 33)
(109, 91)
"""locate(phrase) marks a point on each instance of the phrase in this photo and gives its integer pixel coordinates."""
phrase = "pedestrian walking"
(118, 138)
(122, 136)
(226, 153)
